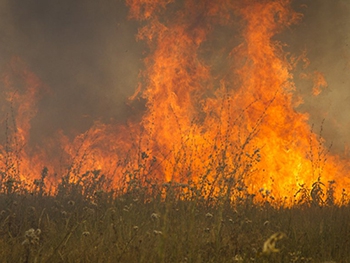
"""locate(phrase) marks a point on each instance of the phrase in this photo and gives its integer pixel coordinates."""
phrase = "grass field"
(81, 223)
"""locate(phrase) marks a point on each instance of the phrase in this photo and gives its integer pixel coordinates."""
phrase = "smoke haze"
(86, 53)
(324, 34)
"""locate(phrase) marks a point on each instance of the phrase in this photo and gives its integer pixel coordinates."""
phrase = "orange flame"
(239, 131)
(21, 92)
(204, 128)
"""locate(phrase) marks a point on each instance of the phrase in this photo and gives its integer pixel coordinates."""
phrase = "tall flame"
(204, 126)
(240, 128)
(20, 91)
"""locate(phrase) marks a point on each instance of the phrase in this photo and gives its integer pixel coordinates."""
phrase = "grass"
(163, 227)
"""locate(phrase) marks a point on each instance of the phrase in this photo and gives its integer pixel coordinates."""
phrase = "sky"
(86, 52)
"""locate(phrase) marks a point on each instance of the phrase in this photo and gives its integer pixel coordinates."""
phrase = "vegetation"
(171, 223)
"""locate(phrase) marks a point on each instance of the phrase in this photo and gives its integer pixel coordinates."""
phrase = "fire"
(249, 121)
(21, 91)
(230, 132)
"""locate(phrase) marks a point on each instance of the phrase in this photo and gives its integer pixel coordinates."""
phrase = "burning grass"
(218, 169)
(213, 208)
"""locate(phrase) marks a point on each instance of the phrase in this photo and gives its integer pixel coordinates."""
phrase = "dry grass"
(105, 227)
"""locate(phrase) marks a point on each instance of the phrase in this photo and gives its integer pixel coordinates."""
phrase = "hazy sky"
(86, 52)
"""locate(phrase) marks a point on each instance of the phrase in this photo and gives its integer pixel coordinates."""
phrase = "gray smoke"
(325, 35)
(85, 51)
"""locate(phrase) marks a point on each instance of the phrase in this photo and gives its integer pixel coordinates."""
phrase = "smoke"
(86, 53)
(324, 34)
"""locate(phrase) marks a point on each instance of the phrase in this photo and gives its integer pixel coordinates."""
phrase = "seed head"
(30, 233)
(237, 258)
(38, 232)
(86, 233)
(208, 215)
(270, 243)
(155, 216)
(157, 232)
(31, 237)
(248, 221)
